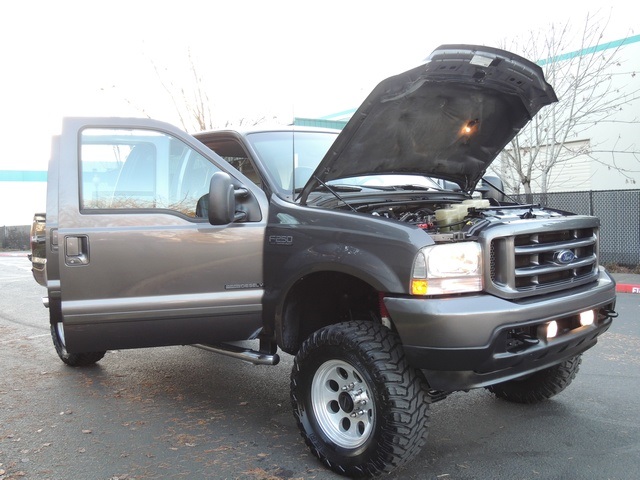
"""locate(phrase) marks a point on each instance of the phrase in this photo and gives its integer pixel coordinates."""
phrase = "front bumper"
(471, 341)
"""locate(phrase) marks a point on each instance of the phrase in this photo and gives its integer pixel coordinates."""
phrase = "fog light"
(587, 318)
(552, 329)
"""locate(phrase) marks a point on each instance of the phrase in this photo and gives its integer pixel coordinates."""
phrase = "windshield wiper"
(394, 188)
(411, 187)
(334, 191)
(338, 188)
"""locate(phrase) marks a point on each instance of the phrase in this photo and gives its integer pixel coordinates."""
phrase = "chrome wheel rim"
(342, 404)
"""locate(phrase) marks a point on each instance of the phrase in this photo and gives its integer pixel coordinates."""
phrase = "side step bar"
(246, 354)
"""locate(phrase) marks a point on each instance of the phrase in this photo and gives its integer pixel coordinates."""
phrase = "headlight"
(448, 268)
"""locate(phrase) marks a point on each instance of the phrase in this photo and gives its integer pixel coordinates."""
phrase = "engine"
(459, 216)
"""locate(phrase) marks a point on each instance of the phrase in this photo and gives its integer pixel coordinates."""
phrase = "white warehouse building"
(604, 155)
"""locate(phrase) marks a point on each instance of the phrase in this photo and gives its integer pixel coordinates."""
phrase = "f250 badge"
(280, 239)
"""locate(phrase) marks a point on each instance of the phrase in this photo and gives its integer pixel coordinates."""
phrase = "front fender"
(323, 277)
(300, 241)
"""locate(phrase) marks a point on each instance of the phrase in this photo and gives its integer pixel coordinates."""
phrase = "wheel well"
(322, 299)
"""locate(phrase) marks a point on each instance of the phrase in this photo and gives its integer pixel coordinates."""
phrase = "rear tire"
(71, 359)
(539, 386)
(361, 409)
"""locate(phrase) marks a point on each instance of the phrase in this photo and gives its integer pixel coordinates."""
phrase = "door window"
(233, 152)
(141, 169)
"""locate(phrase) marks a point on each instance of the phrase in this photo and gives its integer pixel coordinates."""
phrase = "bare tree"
(192, 103)
(587, 82)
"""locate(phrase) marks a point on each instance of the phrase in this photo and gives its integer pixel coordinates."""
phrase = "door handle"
(76, 250)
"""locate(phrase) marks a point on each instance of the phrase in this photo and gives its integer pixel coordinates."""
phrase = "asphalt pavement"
(179, 412)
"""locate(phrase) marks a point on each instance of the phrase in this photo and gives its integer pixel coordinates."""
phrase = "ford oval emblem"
(564, 257)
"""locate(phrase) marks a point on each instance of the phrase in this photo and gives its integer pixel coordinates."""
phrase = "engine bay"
(449, 217)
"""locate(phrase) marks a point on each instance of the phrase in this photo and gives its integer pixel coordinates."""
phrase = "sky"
(272, 59)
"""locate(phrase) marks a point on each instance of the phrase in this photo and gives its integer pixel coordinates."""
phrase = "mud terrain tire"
(539, 386)
(71, 359)
(360, 407)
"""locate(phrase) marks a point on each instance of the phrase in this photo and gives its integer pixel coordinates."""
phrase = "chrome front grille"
(537, 262)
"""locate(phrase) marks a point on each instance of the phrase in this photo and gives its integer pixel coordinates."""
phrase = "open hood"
(448, 118)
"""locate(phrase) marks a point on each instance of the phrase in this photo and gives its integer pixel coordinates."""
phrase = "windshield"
(291, 157)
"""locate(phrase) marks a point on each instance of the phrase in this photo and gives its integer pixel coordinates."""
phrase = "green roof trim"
(23, 175)
(590, 50)
(344, 113)
(319, 122)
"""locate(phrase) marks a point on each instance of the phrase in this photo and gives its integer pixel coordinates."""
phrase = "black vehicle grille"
(535, 263)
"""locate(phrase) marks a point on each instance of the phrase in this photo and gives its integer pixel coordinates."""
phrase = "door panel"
(137, 260)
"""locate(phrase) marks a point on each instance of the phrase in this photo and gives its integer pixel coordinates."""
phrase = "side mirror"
(491, 187)
(222, 199)
(448, 185)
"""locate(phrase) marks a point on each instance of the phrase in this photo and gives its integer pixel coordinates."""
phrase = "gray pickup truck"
(377, 256)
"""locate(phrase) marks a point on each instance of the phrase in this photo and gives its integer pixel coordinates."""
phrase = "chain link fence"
(619, 213)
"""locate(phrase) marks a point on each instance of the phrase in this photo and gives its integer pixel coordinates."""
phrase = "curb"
(627, 288)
